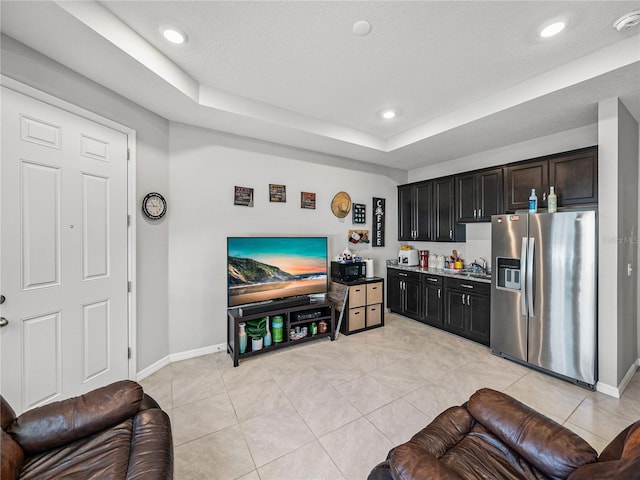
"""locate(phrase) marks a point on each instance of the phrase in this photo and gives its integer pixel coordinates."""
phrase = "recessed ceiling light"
(361, 28)
(552, 29)
(627, 21)
(389, 113)
(173, 35)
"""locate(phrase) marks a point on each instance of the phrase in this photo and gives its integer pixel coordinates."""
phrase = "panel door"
(394, 291)
(433, 304)
(412, 298)
(405, 213)
(466, 204)
(479, 317)
(456, 306)
(423, 208)
(64, 253)
(444, 210)
(490, 190)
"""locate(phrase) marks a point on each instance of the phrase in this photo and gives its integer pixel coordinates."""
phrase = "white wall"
(152, 132)
(205, 167)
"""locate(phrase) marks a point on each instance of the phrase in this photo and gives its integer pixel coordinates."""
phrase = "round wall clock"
(154, 205)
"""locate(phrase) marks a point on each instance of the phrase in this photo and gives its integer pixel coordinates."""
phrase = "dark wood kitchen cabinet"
(574, 176)
(445, 228)
(414, 211)
(468, 309)
(432, 288)
(479, 195)
(404, 293)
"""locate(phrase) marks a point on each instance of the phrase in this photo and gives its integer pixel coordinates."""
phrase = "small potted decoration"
(256, 329)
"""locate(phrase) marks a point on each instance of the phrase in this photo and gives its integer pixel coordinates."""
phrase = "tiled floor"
(332, 410)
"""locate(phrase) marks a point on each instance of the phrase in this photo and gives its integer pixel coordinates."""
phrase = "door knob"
(3, 322)
(2, 299)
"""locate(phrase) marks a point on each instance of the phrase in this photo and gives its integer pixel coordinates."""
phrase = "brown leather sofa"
(114, 432)
(494, 436)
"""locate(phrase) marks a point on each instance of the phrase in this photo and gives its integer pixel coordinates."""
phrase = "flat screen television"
(261, 269)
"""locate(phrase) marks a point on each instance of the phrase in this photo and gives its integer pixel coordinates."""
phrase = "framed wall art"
(308, 200)
(243, 196)
(359, 213)
(378, 222)
(277, 193)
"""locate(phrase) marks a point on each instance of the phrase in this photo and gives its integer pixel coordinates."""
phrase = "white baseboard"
(617, 391)
(176, 357)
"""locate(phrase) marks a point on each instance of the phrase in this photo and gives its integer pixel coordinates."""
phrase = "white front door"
(63, 251)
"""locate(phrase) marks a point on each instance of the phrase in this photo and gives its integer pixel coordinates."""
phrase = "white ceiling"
(467, 76)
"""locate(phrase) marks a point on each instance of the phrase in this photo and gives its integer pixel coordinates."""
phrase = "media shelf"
(292, 317)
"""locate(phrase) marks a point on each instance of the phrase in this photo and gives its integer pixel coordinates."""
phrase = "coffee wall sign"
(378, 222)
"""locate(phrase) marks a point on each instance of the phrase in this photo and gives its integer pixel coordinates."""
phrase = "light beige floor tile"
(221, 455)
(201, 418)
(401, 377)
(249, 371)
(325, 411)
(542, 392)
(300, 383)
(250, 476)
(434, 399)
(398, 421)
(627, 406)
(366, 394)
(356, 448)
(189, 387)
(275, 434)
(308, 462)
(257, 399)
(597, 442)
(592, 418)
(159, 387)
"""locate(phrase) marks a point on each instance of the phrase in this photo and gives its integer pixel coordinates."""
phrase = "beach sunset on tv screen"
(268, 268)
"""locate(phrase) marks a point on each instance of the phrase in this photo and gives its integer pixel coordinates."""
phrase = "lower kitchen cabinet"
(404, 293)
(432, 288)
(468, 309)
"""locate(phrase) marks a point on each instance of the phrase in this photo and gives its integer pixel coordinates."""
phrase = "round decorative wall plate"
(341, 204)
(154, 206)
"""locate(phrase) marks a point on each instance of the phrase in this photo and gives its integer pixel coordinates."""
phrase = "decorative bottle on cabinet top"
(533, 202)
(242, 338)
(552, 201)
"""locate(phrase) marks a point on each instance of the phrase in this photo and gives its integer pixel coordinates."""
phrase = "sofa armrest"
(59, 423)
(151, 454)
(550, 447)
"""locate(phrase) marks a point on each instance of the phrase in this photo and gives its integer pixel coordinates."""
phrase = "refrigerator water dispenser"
(508, 273)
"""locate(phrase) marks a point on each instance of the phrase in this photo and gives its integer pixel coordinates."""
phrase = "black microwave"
(348, 272)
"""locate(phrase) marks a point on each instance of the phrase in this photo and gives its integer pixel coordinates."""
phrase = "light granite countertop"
(476, 277)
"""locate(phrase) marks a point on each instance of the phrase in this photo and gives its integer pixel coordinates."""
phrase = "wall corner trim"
(176, 357)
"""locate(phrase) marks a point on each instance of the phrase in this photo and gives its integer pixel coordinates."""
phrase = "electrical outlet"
(629, 269)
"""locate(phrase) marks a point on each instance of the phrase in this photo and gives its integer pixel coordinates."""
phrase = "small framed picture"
(308, 200)
(359, 213)
(277, 193)
(243, 196)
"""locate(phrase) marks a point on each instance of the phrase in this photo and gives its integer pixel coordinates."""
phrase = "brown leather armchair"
(114, 432)
(494, 436)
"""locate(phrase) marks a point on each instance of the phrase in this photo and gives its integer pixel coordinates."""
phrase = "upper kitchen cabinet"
(519, 179)
(574, 175)
(414, 211)
(445, 228)
(478, 195)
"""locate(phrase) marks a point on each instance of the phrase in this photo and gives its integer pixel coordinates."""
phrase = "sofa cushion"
(548, 446)
(151, 446)
(104, 455)
(58, 423)
(12, 457)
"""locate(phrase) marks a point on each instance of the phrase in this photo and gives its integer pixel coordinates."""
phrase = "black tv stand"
(293, 317)
(274, 305)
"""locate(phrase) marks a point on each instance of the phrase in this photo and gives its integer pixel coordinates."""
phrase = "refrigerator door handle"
(523, 271)
(530, 254)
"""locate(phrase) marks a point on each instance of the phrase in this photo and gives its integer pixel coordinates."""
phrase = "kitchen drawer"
(435, 280)
(469, 286)
(374, 293)
(357, 318)
(357, 296)
(374, 315)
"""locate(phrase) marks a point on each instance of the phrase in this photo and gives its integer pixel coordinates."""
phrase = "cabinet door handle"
(439, 293)
(433, 280)
(464, 285)
(479, 213)
(544, 196)
(402, 274)
(463, 295)
(468, 299)
(451, 234)
(475, 213)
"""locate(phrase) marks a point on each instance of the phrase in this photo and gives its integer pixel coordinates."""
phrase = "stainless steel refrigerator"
(544, 292)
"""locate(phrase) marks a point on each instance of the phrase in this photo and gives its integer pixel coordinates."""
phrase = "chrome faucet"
(482, 267)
